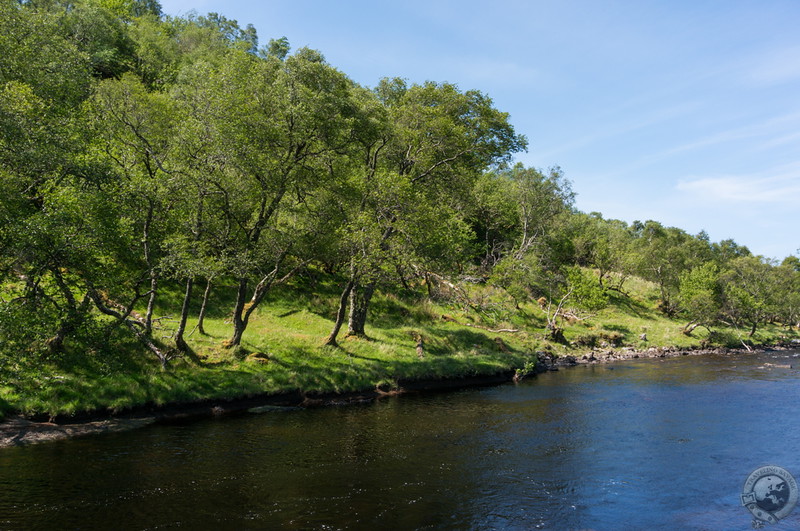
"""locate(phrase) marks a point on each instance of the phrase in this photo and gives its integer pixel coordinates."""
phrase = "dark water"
(651, 444)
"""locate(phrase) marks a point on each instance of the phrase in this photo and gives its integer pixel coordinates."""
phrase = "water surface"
(646, 444)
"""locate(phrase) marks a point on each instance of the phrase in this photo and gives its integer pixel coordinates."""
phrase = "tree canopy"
(139, 151)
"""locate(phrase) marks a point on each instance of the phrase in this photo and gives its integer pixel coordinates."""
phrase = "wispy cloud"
(781, 185)
(791, 138)
(770, 127)
(774, 67)
(606, 130)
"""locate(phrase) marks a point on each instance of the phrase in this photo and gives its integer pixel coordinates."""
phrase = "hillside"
(343, 236)
(410, 338)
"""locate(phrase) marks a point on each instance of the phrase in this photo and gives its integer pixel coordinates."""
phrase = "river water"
(645, 444)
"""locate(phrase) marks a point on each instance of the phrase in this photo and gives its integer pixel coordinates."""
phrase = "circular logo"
(770, 493)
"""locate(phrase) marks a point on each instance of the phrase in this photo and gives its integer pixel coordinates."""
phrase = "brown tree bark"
(359, 303)
(202, 315)
(180, 342)
(331, 340)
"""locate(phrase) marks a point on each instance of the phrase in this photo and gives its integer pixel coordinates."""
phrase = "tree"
(278, 48)
(727, 250)
(750, 291)
(98, 29)
(605, 245)
(494, 218)
(664, 253)
(133, 129)
(700, 296)
(44, 78)
(277, 128)
(521, 218)
(574, 291)
(438, 143)
(788, 289)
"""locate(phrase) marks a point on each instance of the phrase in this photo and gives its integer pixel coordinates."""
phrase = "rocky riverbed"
(550, 362)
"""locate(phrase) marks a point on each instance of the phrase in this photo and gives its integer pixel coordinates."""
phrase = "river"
(644, 444)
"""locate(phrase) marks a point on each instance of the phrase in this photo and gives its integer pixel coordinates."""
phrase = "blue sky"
(685, 112)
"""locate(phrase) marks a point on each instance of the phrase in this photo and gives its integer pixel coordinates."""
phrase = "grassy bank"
(283, 352)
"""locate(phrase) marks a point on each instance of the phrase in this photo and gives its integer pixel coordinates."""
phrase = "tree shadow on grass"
(634, 307)
(331, 373)
(338, 348)
(617, 328)
(447, 341)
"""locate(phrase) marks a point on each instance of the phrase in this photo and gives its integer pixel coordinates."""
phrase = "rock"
(568, 360)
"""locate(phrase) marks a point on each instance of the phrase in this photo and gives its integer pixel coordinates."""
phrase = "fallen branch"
(493, 330)
(571, 315)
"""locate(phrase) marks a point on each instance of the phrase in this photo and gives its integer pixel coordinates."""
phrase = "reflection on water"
(648, 444)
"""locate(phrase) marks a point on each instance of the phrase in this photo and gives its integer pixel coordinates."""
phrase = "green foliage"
(585, 293)
(140, 152)
(751, 291)
(663, 254)
(278, 48)
(700, 293)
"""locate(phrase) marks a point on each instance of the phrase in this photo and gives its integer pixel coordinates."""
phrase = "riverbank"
(19, 430)
(414, 343)
(627, 353)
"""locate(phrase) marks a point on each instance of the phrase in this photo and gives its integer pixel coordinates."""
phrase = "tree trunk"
(68, 325)
(331, 340)
(359, 304)
(123, 318)
(239, 320)
(151, 301)
(243, 310)
(201, 317)
(180, 342)
(402, 277)
(148, 320)
(74, 314)
(689, 328)
(429, 286)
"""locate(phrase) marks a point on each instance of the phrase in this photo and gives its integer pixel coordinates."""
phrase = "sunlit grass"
(283, 349)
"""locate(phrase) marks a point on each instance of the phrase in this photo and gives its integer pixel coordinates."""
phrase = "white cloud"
(789, 139)
(780, 186)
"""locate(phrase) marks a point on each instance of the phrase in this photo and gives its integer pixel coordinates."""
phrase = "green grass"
(282, 349)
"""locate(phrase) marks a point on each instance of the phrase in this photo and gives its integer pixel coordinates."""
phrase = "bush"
(722, 339)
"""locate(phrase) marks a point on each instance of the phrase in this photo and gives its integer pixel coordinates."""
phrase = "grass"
(282, 349)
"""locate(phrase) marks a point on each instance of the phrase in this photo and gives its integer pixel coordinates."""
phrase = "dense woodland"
(141, 153)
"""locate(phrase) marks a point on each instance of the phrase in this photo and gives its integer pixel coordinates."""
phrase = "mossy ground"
(283, 348)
